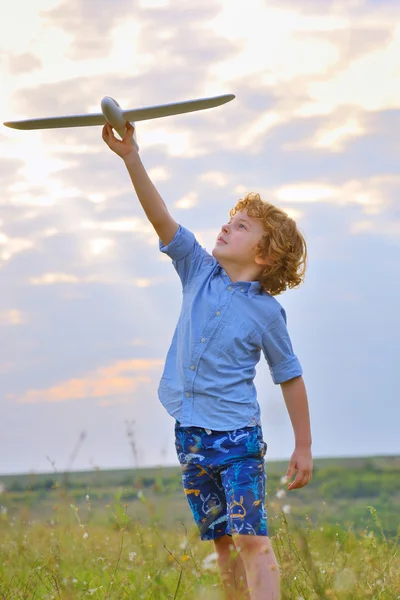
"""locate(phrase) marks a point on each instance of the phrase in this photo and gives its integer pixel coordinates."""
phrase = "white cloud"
(369, 82)
(305, 192)
(51, 278)
(332, 136)
(153, 3)
(134, 225)
(385, 228)
(158, 174)
(218, 178)
(10, 246)
(100, 246)
(369, 193)
(187, 201)
(12, 317)
(268, 44)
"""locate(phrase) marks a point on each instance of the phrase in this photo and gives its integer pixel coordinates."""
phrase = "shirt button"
(229, 287)
(193, 367)
(203, 340)
(217, 313)
(187, 395)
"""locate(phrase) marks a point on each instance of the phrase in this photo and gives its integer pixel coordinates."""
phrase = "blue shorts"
(224, 479)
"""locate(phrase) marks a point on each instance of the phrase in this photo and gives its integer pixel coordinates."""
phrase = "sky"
(88, 304)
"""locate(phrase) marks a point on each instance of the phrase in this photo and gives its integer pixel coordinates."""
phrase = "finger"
(108, 134)
(291, 469)
(305, 479)
(300, 481)
(106, 130)
(129, 132)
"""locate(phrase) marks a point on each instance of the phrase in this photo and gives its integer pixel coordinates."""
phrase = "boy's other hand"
(122, 147)
(300, 461)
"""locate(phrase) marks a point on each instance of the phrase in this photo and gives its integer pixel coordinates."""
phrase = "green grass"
(129, 534)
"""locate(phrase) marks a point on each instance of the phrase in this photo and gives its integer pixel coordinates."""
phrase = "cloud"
(11, 317)
(49, 278)
(11, 246)
(187, 201)
(9, 171)
(21, 63)
(112, 384)
(89, 25)
(367, 193)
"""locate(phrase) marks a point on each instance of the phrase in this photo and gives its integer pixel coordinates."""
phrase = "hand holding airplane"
(121, 147)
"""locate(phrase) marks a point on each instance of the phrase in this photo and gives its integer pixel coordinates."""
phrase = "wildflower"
(87, 497)
(280, 494)
(208, 562)
(140, 494)
(132, 556)
(284, 480)
(185, 557)
(286, 508)
(85, 535)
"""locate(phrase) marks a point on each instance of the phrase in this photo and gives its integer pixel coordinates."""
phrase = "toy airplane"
(113, 113)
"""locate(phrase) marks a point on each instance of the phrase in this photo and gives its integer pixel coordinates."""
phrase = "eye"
(242, 225)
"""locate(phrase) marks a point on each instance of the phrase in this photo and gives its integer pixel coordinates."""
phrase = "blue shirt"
(222, 328)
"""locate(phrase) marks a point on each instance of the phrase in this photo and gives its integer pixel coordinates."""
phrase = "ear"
(259, 260)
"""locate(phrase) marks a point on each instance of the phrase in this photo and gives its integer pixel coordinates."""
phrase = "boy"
(228, 316)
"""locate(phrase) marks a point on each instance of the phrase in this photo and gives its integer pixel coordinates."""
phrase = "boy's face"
(238, 240)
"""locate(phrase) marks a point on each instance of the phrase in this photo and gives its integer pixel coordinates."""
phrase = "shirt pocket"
(237, 339)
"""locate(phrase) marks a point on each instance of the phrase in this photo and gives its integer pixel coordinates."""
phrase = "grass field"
(129, 534)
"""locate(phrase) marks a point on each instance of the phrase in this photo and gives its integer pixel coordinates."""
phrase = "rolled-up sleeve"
(187, 255)
(277, 348)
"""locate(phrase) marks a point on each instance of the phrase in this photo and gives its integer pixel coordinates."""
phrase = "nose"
(225, 228)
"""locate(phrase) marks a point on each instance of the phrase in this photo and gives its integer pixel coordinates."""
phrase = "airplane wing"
(177, 108)
(137, 114)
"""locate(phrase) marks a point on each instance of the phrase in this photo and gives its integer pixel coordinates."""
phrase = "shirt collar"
(251, 287)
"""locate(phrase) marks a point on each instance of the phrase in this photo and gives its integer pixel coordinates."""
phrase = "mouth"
(221, 240)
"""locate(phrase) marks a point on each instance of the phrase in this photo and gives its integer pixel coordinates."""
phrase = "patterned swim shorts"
(224, 479)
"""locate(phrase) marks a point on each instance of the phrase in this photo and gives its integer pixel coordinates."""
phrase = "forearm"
(295, 396)
(151, 201)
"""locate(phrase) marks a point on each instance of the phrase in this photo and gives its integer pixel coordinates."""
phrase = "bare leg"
(232, 570)
(262, 569)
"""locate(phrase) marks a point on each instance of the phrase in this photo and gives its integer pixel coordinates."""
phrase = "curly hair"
(282, 245)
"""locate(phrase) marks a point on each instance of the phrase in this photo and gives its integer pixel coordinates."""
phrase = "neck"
(237, 272)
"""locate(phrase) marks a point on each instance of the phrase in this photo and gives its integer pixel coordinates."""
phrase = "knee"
(251, 546)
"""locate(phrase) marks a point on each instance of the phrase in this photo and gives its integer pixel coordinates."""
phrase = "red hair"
(282, 245)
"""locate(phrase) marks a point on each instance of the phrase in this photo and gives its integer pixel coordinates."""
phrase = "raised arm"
(151, 201)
